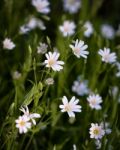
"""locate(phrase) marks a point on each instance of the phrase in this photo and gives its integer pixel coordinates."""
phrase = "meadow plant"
(59, 75)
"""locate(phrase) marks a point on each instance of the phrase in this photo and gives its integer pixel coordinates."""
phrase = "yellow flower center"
(22, 123)
(96, 131)
(76, 49)
(68, 108)
(106, 57)
(51, 62)
(93, 102)
(66, 28)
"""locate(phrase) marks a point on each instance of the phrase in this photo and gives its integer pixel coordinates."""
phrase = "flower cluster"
(83, 48)
(25, 122)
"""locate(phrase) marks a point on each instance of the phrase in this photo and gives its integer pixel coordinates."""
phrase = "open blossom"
(72, 6)
(42, 48)
(107, 31)
(107, 56)
(70, 107)
(52, 61)
(35, 22)
(68, 28)
(96, 131)
(88, 29)
(23, 124)
(94, 101)
(29, 115)
(41, 6)
(79, 49)
(32, 24)
(80, 87)
(8, 44)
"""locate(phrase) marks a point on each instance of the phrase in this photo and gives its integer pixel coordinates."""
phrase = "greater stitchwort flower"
(70, 107)
(52, 61)
(8, 44)
(80, 87)
(41, 6)
(96, 131)
(23, 124)
(88, 29)
(72, 6)
(107, 31)
(94, 101)
(31, 116)
(79, 49)
(107, 56)
(68, 28)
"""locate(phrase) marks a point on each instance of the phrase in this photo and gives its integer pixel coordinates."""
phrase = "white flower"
(29, 115)
(80, 87)
(24, 29)
(79, 49)
(68, 28)
(16, 75)
(88, 29)
(23, 124)
(105, 126)
(72, 6)
(96, 131)
(34, 22)
(41, 6)
(8, 44)
(71, 106)
(107, 56)
(94, 101)
(107, 31)
(49, 81)
(52, 61)
(42, 48)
